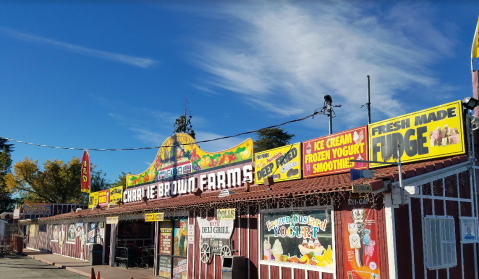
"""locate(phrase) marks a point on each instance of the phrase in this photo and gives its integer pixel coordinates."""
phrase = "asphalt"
(16, 266)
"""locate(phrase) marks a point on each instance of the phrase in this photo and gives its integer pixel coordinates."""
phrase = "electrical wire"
(156, 147)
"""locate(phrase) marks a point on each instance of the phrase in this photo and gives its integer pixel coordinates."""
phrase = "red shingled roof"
(321, 184)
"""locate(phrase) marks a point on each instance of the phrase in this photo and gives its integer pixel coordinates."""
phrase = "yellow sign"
(112, 220)
(179, 155)
(283, 163)
(116, 194)
(426, 134)
(154, 217)
(92, 199)
(32, 230)
(226, 213)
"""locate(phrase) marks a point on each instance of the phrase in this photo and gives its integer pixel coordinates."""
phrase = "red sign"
(361, 251)
(85, 172)
(104, 197)
(331, 154)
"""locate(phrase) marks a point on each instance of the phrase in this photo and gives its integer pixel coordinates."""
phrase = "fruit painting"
(179, 155)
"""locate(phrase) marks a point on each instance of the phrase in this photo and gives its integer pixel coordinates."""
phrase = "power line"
(156, 147)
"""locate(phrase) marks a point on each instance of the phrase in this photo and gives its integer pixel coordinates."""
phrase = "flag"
(85, 172)
(475, 43)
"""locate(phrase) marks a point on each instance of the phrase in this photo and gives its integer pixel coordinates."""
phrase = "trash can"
(233, 267)
(95, 254)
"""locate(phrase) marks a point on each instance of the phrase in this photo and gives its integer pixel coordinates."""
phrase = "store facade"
(294, 212)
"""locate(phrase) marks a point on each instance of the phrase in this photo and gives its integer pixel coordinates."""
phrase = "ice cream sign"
(298, 226)
(331, 154)
(422, 135)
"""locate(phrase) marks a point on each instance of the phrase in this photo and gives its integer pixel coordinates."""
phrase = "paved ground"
(25, 267)
(84, 268)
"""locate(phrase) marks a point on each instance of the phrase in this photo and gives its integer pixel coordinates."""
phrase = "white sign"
(191, 234)
(16, 213)
(112, 220)
(216, 228)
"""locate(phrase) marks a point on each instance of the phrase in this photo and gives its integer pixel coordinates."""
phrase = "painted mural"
(180, 155)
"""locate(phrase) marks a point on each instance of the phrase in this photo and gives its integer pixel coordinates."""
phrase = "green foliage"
(56, 182)
(271, 138)
(183, 125)
(121, 180)
(8, 146)
(98, 181)
(6, 201)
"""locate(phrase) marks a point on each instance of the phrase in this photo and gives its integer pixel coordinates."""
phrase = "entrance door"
(106, 258)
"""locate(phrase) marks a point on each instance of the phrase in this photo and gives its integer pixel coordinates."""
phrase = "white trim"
(258, 218)
(411, 241)
(297, 266)
(391, 236)
(248, 232)
(434, 175)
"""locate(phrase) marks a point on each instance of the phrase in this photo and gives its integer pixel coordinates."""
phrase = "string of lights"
(156, 147)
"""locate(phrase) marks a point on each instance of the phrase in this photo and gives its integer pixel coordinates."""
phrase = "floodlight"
(469, 102)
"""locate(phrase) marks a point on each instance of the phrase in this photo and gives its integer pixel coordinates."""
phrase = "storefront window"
(298, 236)
(172, 248)
(93, 233)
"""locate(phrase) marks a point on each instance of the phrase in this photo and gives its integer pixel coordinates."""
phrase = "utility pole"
(368, 104)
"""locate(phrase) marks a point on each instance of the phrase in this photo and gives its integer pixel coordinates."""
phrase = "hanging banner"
(426, 134)
(226, 213)
(180, 156)
(331, 154)
(361, 255)
(16, 213)
(116, 194)
(154, 217)
(92, 199)
(85, 173)
(30, 208)
(215, 228)
(283, 163)
(33, 229)
(104, 197)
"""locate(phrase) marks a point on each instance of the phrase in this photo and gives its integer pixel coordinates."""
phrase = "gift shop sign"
(216, 228)
(37, 208)
(331, 154)
(283, 163)
(426, 134)
(226, 178)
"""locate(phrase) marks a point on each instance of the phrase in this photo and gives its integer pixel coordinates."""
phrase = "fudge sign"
(426, 134)
(215, 228)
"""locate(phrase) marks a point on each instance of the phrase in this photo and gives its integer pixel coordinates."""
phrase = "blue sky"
(116, 74)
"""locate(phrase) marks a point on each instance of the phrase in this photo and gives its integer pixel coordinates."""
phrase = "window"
(299, 236)
(440, 242)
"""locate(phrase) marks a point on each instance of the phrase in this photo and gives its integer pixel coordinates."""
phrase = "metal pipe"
(330, 110)
(369, 102)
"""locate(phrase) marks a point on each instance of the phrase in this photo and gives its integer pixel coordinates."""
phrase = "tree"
(183, 125)
(271, 138)
(98, 181)
(121, 181)
(57, 182)
(8, 146)
(6, 201)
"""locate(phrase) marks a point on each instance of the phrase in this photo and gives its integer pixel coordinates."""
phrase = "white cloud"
(149, 137)
(131, 60)
(218, 145)
(285, 56)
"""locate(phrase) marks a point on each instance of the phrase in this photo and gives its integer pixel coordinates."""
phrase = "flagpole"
(472, 48)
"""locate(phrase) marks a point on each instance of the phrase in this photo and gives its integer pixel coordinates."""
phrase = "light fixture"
(470, 103)
(328, 100)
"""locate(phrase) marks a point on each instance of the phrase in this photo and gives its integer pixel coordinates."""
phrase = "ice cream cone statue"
(354, 241)
(277, 250)
(267, 250)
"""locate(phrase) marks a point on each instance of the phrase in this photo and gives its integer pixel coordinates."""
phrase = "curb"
(59, 266)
